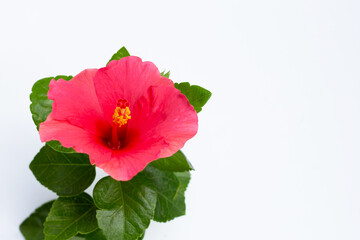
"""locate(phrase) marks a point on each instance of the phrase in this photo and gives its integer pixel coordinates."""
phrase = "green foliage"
(65, 174)
(56, 145)
(196, 95)
(70, 216)
(170, 191)
(176, 163)
(125, 207)
(123, 52)
(141, 237)
(41, 106)
(96, 235)
(32, 228)
(165, 74)
(184, 179)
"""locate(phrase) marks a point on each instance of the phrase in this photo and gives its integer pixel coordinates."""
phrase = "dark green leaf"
(41, 106)
(123, 52)
(197, 95)
(170, 195)
(96, 235)
(184, 179)
(32, 228)
(56, 145)
(65, 174)
(177, 206)
(125, 207)
(70, 216)
(141, 237)
(77, 237)
(176, 163)
(165, 74)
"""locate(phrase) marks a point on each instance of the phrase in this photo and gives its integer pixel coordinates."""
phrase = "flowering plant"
(131, 121)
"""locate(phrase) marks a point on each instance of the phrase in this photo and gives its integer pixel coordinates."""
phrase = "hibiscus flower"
(123, 116)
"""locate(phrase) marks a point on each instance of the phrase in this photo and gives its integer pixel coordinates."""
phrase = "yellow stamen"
(121, 115)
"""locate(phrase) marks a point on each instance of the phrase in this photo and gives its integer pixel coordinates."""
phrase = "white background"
(277, 152)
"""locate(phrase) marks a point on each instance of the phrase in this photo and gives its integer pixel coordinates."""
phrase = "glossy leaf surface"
(170, 193)
(96, 235)
(70, 216)
(125, 207)
(65, 174)
(176, 163)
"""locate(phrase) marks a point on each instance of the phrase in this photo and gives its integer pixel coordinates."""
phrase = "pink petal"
(75, 101)
(72, 136)
(128, 162)
(128, 78)
(165, 112)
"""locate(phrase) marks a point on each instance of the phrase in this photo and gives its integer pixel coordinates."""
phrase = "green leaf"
(65, 174)
(196, 95)
(176, 163)
(165, 74)
(184, 179)
(77, 237)
(41, 106)
(32, 228)
(56, 145)
(125, 207)
(177, 207)
(141, 237)
(170, 194)
(70, 216)
(123, 52)
(96, 235)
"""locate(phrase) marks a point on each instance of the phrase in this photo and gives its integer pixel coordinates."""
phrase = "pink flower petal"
(69, 135)
(128, 78)
(128, 162)
(166, 112)
(75, 101)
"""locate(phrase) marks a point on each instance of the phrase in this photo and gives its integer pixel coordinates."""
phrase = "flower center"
(120, 120)
(121, 113)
